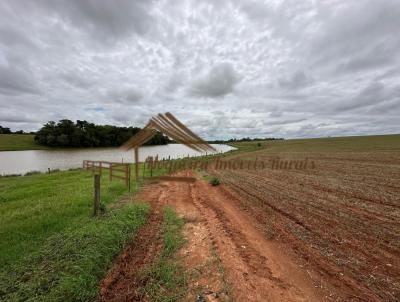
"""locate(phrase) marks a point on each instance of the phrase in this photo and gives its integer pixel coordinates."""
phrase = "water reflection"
(20, 162)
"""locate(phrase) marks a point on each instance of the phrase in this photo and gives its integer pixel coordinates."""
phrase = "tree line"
(6, 130)
(66, 133)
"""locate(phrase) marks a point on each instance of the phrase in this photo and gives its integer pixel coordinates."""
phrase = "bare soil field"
(331, 233)
(342, 219)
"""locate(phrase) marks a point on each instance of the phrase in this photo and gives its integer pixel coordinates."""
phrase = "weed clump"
(103, 208)
(215, 181)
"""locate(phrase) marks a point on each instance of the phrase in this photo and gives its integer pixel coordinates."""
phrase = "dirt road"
(232, 256)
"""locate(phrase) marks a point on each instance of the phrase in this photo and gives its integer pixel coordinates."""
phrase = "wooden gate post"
(96, 204)
(137, 165)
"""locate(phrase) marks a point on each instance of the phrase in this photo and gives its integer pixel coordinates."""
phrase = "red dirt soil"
(252, 268)
(123, 281)
(330, 234)
(341, 219)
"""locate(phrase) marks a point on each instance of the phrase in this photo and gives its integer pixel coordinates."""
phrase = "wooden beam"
(190, 141)
(140, 138)
(176, 121)
(172, 134)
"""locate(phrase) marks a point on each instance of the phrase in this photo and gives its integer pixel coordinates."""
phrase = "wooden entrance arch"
(169, 125)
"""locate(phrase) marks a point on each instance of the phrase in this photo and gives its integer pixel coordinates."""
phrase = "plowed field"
(341, 218)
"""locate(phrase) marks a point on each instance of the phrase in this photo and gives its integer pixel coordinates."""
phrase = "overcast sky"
(227, 68)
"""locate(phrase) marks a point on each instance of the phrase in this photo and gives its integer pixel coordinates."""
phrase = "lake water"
(20, 162)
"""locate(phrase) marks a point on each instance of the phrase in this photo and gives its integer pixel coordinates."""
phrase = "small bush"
(103, 208)
(215, 181)
(32, 173)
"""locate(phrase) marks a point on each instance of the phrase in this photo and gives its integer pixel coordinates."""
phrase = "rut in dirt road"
(255, 269)
(123, 282)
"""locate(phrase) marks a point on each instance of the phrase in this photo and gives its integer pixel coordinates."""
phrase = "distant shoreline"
(26, 142)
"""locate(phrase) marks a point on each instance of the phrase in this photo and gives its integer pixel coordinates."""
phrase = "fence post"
(96, 204)
(110, 176)
(137, 166)
(129, 177)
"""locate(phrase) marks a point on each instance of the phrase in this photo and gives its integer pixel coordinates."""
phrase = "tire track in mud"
(123, 282)
(257, 270)
(234, 240)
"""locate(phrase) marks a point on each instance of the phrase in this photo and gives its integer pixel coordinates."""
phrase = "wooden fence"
(115, 170)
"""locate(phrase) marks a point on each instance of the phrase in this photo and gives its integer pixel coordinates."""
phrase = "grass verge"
(33, 208)
(165, 280)
(69, 265)
(13, 142)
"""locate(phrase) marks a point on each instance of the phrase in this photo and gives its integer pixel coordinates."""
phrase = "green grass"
(12, 142)
(46, 214)
(165, 279)
(247, 146)
(35, 207)
(332, 144)
(69, 265)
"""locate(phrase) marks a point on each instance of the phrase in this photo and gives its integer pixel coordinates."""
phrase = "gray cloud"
(77, 80)
(359, 36)
(15, 37)
(124, 95)
(227, 68)
(295, 81)
(373, 94)
(220, 80)
(15, 80)
(102, 19)
(16, 117)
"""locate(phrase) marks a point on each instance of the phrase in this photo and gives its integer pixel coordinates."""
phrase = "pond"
(21, 162)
